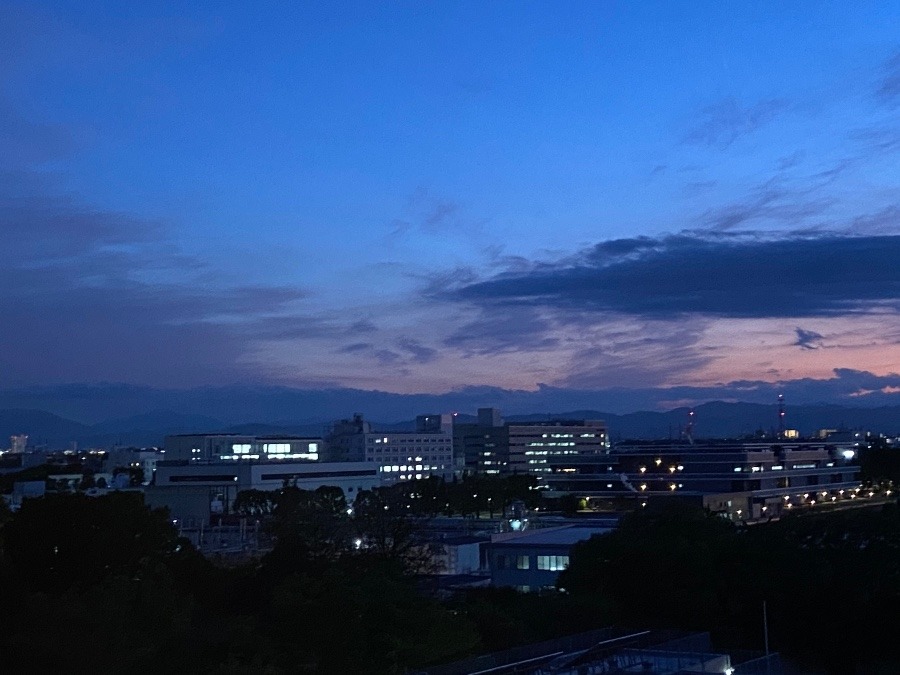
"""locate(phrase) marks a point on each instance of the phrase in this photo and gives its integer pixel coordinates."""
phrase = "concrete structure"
(458, 555)
(133, 458)
(492, 446)
(399, 456)
(205, 490)
(744, 481)
(346, 440)
(534, 446)
(532, 560)
(483, 446)
(239, 447)
(18, 443)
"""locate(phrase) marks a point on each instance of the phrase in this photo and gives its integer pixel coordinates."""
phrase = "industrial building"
(744, 481)
(203, 473)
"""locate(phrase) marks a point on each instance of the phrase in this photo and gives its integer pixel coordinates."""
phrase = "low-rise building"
(240, 447)
(744, 481)
(205, 490)
(531, 560)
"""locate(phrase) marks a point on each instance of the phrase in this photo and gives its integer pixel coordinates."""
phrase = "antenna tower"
(780, 415)
(690, 426)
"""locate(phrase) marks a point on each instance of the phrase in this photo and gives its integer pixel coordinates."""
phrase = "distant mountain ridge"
(711, 420)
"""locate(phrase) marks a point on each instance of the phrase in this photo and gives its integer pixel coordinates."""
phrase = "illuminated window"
(553, 563)
(523, 562)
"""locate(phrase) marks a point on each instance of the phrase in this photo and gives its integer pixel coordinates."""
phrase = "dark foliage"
(831, 582)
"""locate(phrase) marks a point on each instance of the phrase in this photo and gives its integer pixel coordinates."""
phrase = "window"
(553, 563)
(523, 562)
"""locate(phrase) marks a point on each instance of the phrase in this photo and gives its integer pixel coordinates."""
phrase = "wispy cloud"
(724, 122)
(504, 329)
(776, 201)
(418, 352)
(888, 91)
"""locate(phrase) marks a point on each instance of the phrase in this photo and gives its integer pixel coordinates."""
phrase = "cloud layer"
(719, 276)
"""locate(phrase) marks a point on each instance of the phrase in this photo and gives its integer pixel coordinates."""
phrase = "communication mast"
(690, 427)
(780, 415)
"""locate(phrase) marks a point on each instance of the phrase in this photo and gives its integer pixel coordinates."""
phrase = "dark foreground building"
(613, 651)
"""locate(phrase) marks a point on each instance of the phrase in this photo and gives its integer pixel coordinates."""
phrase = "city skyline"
(662, 203)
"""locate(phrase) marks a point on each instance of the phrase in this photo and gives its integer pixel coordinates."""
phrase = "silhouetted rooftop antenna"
(690, 427)
(780, 415)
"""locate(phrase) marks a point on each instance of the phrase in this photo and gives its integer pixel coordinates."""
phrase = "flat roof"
(556, 536)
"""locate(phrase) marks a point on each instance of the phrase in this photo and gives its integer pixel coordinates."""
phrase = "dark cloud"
(722, 123)
(101, 295)
(355, 347)
(407, 351)
(386, 357)
(727, 275)
(40, 223)
(362, 326)
(808, 339)
(419, 352)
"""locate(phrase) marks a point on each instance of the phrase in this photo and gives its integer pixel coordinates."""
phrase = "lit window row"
(552, 563)
(393, 468)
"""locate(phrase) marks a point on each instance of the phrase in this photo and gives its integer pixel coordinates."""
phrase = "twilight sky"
(696, 199)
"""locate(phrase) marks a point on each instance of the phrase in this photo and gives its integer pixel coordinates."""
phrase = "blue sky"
(420, 198)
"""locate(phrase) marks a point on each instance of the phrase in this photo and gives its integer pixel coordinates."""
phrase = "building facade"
(492, 446)
(532, 560)
(203, 490)
(397, 455)
(239, 447)
(745, 481)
